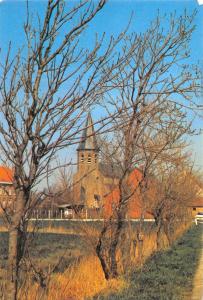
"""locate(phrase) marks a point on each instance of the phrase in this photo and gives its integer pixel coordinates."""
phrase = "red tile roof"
(6, 175)
(198, 202)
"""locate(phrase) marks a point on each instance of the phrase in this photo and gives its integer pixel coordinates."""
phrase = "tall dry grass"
(82, 280)
(85, 278)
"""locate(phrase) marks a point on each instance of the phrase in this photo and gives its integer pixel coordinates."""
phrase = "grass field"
(46, 249)
(165, 275)
(54, 239)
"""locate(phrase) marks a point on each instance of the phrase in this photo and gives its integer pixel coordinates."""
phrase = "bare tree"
(44, 90)
(152, 96)
(174, 189)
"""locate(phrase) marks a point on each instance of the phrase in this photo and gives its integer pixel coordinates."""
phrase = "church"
(93, 179)
(95, 184)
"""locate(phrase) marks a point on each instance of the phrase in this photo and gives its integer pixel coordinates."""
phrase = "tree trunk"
(12, 272)
(15, 247)
(158, 233)
(100, 250)
(113, 248)
(168, 233)
(158, 239)
(104, 263)
(107, 252)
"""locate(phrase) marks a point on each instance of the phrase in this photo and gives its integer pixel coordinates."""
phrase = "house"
(196, 205)
(7, 192)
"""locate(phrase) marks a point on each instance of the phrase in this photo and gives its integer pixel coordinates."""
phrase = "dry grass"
(85, 278)
(2, 283)
(181, 229)
(149, 244)
(3, 228)
(82, 280)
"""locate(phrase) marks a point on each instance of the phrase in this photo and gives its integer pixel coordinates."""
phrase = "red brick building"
(136, 207)
(6, 187)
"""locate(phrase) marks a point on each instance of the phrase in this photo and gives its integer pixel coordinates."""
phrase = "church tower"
(87, 181)
(88, 149)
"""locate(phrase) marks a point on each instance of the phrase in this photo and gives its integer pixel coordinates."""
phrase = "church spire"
(88, 139)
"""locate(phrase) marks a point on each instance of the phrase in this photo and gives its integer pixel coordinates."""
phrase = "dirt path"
(197, 293)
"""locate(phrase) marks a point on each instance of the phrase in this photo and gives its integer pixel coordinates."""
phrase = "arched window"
(95, 157)
(82, 157)
(82, 194)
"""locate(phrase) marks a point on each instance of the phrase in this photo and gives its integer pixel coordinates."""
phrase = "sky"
(113, 19)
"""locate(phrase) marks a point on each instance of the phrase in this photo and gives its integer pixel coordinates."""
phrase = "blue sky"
(112, 20)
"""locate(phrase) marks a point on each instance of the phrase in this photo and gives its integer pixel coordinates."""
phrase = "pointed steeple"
(88, 139)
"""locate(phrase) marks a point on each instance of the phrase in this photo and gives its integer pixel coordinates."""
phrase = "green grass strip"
(167, 275)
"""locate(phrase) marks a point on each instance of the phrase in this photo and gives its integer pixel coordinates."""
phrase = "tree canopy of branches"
(172, 189)
(44, 90)
(154, 93)
(51, 82)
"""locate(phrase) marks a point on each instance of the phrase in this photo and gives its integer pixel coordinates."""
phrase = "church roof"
(110, 170)
(115, 171)
(88, 139)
